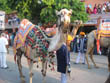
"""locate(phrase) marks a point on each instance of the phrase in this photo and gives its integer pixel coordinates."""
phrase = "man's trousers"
(82, 56)
(63, 78)
(3, 59)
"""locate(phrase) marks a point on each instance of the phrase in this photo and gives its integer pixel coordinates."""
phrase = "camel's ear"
(70, 11)
(57, 12)
(81, 22)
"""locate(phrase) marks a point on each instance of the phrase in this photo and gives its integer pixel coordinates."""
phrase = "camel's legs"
(44, 69)
(86, 56)
(19, 55)
(30, 70)
(30, 62)
(109, 60)
(91, 57)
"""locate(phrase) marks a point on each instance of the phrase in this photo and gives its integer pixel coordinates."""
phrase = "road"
(79, 74)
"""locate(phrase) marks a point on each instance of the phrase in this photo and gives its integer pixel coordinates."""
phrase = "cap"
(82, 33)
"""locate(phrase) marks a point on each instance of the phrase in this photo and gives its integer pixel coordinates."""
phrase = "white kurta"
(3, 43)
(3, 52)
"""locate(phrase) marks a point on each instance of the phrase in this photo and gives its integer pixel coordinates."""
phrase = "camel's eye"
(69, 14)
(62, 14)
(59, 15)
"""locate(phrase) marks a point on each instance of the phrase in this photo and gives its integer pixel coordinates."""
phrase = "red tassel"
(52, 69)
(98, 46)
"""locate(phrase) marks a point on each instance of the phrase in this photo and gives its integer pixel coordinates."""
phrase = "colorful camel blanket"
(23, 30)
(31, 35)
(36, 40)
(104, 28)
(103, 31)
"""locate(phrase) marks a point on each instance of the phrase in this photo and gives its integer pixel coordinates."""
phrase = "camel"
(104, 42)
(52, 44)
(104, 39)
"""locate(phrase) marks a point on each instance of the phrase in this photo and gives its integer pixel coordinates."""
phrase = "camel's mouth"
(65, 27)
(65, 30)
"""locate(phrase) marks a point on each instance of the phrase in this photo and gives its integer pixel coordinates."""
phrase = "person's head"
(95, 5)
(6, 32)
(82, 34)
(2, 34)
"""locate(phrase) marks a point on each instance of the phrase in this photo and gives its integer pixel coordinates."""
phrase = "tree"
(4, 6)
(29, 9)
(44, 10)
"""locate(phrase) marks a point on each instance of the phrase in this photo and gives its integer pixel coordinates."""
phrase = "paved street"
(79, 74)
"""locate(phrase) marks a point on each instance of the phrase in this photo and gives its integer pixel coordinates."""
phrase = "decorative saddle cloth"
(104, 28)
(33, 36)
(36, 40)
(23, 30)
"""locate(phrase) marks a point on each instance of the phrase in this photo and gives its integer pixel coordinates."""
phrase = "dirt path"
(79, 74)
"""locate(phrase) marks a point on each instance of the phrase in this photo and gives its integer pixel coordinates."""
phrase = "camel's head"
(63, 18)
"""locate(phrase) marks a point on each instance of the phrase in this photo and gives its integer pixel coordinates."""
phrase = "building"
(2, 20)
(9, 21)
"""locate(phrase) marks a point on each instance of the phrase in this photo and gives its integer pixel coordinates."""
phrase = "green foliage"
(77, 7)
(4, 7)
(29, 9)
(45, 11)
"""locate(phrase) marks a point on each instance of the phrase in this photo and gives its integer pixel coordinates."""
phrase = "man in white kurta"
(3, 51)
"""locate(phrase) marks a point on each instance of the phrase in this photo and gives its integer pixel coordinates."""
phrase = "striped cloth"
(104, 28)
(23, 30)
(36, 40)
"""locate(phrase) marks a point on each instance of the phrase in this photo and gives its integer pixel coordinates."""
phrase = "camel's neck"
(56, 41)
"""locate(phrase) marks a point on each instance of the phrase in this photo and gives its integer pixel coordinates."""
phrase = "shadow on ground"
(11, 75)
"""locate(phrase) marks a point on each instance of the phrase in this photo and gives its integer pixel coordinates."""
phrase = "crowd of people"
(98, 8)
(12, 20)
(62, 54)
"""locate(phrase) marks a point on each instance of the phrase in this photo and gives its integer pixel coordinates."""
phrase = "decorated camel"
(91, 43)
(99, 37)
(33, 42)
(104, 42)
